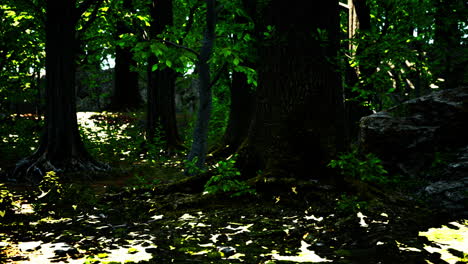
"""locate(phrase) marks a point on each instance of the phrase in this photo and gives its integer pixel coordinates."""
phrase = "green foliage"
(220, 114)
(121, 137)
(191, 167)
(22, 52)
(56, 196)
(6, 200)
(225, 180)
(143, 182)
(18, 136)
(350, 204)
(397, 58)
(367, 167)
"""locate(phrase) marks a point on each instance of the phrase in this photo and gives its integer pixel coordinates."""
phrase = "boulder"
(427, 139)
(408, 137)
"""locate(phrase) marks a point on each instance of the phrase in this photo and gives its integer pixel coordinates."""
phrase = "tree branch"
(179, 46)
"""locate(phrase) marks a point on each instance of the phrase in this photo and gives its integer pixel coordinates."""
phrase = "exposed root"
(31, 170)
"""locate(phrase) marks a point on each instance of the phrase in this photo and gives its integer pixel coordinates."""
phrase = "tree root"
(31, 170)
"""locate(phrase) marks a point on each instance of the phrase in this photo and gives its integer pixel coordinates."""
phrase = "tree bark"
(200, 135)
(61, 148)
(161, 83)
(126, 94)
(298, 120)
(358, 23)
(240, 115)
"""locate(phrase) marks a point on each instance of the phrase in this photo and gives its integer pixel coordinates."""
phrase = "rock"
(227, 251)
(406, 137)
(425, 138)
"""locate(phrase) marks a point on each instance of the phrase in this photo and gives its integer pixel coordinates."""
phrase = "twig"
(179, 46)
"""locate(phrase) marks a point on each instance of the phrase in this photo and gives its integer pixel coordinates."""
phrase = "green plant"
(143, 182)
(366, 167)
(54, 194)
(6, 200)
(225, 180)
(350, 204)
(191, 167)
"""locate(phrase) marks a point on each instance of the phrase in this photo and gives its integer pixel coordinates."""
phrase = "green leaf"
(154, 67)
(168, 63)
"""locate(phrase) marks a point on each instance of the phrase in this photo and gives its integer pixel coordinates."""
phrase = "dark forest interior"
(233, 131)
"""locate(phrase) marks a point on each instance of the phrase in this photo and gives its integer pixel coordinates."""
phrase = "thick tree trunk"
(298, 120)
(240, 116)
(126, 94)
(161, 84)
(200, 135)
(161, 107)
(61, 148)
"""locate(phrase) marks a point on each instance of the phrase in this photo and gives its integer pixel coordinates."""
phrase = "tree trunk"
(359, 21)
(161, 84)
(240, 115)
(298, 120)
(200, 135)
(126, 92)
(447, 39)
(61, 148)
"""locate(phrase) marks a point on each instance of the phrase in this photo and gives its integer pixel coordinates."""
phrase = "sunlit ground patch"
(305, 255)
(35, 252)
(449, 239)
(85, 120)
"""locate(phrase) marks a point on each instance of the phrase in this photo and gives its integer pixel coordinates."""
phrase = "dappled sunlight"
(450, 241)
(305, 255)
(97, 130)
(35, 252)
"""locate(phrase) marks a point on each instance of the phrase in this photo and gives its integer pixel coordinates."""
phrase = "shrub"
(367, 167)
(225, 179)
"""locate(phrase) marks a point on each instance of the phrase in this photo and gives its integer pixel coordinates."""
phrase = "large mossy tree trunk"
(126, 94)
(161, 84)
(298, 120)
(61, 148)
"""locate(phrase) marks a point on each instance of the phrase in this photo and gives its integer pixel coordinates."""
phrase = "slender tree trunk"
(358, 23)
(61, 148)
(298, 120)
(200, 135)
(161, 84)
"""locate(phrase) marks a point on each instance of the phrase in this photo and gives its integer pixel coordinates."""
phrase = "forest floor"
(132, 218)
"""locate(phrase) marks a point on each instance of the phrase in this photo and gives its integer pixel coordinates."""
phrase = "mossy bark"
(298, 120)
